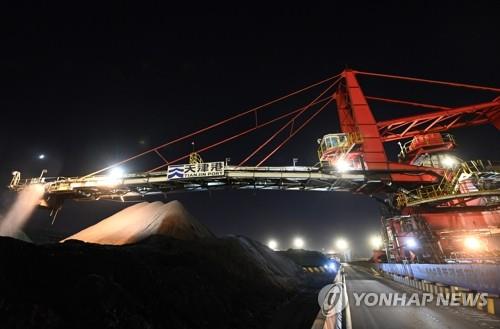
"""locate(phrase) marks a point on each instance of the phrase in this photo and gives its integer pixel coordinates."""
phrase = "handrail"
(406, 147)
(449, 185)
(352, 138)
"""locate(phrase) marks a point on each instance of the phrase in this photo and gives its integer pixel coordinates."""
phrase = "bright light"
(342, 244)
(272, 244)
(342, 165)
(41, 156)
(411, 242)
(472, 243)
(449, 162)
(116, 172)
(376, 242)
(298, 243)
(331, 266)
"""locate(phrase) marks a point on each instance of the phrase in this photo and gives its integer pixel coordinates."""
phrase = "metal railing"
(449, 185)
(352, 139)
(407, 147)
(341, 319)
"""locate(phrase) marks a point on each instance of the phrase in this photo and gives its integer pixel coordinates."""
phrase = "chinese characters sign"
(208, 169)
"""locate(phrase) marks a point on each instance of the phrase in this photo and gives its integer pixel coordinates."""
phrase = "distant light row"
(299, 243)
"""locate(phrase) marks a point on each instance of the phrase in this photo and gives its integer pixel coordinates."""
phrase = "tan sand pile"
(142, 220)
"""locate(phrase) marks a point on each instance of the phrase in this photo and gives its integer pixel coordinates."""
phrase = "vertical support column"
(373, 149)
(344, 111)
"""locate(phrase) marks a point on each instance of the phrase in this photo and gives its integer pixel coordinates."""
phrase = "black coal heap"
(160, 282)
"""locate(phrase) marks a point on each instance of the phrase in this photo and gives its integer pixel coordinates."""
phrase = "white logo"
(330, 299)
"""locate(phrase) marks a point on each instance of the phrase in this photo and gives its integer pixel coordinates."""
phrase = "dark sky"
(86, 85)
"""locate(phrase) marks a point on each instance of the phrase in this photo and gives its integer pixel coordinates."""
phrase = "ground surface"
(359, 279)
(152, 265)
(158, 283)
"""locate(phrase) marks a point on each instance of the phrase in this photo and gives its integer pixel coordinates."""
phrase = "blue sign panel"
(195, 170)
(175, 172)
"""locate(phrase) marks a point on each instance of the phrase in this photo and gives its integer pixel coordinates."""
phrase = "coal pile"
(171, 273)
(158, 283)
(305, 257)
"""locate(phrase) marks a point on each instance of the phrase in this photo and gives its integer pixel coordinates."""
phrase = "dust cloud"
(22, 208)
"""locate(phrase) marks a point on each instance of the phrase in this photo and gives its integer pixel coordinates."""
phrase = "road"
(360, 279)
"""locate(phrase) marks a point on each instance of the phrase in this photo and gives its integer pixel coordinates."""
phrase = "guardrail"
(340, 320)
(477, 277)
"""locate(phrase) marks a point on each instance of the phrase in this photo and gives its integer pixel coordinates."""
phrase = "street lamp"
(342, 244)
(298, 243)
(272, 244)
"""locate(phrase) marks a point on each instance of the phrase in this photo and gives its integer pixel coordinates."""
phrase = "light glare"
(472, 243)
(449, 162)
(272, 244)
(376, 242)
(411, 242)
(116, 172)
(331, 266)
(298, 243)
(342, 244)
(342, 165)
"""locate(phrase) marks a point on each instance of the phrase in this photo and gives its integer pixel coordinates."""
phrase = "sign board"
(208, 169)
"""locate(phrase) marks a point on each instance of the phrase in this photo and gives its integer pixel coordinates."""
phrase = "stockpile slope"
(142, 220)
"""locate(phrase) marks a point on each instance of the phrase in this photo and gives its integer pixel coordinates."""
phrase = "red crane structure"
(436, 220)
(433, 201)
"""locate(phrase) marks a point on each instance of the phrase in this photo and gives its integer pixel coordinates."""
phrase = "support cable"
(288, 123)
(398, 101)
(267, 104)
(436, 82)
(228, 139)
(295, 132)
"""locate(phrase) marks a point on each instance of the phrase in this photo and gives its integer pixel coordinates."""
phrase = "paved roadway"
(360, 279)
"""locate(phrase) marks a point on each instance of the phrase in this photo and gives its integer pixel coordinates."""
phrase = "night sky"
(91, 86)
